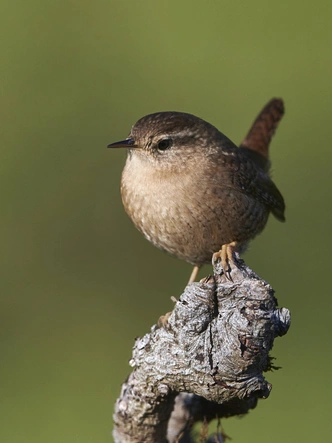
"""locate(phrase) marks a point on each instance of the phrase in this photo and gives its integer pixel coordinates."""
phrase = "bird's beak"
(128, 143)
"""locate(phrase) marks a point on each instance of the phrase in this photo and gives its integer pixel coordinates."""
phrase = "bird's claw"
(163, 320)
(226, 257)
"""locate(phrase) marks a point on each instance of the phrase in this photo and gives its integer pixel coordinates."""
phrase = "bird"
(192, 192)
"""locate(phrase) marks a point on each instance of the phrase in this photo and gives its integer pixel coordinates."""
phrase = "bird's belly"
(192, 225)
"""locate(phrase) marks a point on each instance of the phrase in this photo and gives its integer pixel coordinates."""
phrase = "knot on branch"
(214, 346)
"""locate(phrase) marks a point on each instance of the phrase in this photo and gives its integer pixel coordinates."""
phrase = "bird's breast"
(185, 214)
(158, 206)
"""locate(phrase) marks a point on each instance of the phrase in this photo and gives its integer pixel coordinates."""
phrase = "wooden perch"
(205, 360)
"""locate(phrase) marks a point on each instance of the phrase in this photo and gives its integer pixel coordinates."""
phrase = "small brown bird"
(192, 192)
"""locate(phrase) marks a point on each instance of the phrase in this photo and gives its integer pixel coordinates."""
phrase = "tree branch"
(204, 360)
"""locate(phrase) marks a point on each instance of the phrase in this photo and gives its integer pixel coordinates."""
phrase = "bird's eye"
(164, 144)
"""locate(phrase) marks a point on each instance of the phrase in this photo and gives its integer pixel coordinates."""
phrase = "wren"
(192, 192)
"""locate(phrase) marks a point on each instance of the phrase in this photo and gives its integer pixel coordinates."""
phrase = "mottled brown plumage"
(192, 192)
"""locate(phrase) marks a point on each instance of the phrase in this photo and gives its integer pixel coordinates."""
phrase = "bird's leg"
(194, 274)
(227, 258)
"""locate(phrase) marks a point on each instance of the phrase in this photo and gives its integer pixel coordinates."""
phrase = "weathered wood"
(207, 357)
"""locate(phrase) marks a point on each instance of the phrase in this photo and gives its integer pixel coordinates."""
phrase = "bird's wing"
(264, 190)
(246, 177)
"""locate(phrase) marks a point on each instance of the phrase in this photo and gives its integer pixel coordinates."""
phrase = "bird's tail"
(256, 144)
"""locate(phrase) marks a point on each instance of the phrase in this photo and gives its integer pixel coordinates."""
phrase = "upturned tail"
(256, 144)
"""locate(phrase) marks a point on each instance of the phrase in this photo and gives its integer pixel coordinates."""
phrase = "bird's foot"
(227, 259)
(163, 320)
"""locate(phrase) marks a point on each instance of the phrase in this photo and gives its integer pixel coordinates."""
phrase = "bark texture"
(203, 360)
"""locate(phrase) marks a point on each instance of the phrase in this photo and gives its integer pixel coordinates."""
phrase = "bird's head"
(170, 138)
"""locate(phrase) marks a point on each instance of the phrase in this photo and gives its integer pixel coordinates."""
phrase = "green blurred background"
(78, 282)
